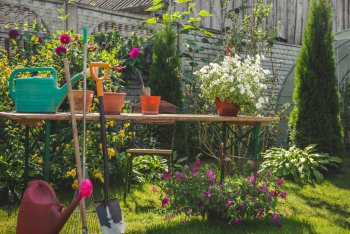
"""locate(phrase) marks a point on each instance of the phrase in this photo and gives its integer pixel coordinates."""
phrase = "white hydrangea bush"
(235, 80)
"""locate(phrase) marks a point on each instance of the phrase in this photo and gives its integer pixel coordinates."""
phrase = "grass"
(323, 208)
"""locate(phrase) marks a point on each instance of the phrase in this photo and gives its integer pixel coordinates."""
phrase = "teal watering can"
(37, 94)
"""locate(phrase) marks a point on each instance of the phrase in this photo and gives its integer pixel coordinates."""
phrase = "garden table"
(35, 119)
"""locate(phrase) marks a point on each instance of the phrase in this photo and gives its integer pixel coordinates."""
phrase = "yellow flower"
(67, 146)
(134, 133)
(49, 53)
(111, 152)
(8, 71)
(126, 125)
(99, 125)
(122, 133)
(130, 133)
(3, 79)
(75, 184)
(110, 123)
(40, 161)
(100, 146)
(33, 58)
(68, 173)
(73, 172)
(25, 62)
(102, 179)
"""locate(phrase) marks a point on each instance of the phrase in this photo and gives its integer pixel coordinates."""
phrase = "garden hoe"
(108, 211)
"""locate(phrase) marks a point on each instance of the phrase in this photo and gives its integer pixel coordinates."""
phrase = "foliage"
(301, 165)
(315, 116)
(197, 192)
(236, 81)
(148, 168)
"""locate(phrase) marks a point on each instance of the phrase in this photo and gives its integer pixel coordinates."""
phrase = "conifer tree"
(315, 118)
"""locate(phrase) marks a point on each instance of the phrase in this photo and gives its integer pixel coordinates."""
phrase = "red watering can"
(40, 212)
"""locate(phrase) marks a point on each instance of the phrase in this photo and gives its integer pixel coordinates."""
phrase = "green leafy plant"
(197, 192)
(302, 165)
(315, 118)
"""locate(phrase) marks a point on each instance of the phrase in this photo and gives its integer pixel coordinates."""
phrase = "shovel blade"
(110, 216)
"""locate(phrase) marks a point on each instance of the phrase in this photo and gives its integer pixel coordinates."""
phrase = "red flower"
(134, 53)
(92, 47)
(118, 68)
(60, 49)
(13, 33)
(65, 39)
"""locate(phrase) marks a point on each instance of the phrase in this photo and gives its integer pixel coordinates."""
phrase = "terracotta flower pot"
(113, 103)
(150, 105)
(79, 101)
(226, 109)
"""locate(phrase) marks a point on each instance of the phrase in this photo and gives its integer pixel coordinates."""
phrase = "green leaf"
(155, 8)
(166, 17)
(152, 20)
(317, 175)
(207, 33)
(195, 19)
(190, 27)
(204, 13)
(156, 2)
(187, 12)
(205, 40)
(182, 1)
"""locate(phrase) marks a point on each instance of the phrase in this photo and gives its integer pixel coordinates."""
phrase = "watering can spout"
(61, 92)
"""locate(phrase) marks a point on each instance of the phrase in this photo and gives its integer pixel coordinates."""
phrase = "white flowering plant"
(235, 80)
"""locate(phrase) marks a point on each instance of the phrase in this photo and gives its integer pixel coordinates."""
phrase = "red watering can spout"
(41, 212)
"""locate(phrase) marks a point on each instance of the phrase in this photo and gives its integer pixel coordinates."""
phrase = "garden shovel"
(108, 211)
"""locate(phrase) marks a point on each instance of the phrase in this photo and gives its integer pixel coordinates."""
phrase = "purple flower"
(255, 164)
(283, 195)
(207, 194)
(229, 202)
(256, 175)
(40, 40)
(276, 218)
(210, 174)
(237, 220)
(274, 193)
(60, 49)
(240, 207)
(279, 182)
(65, 39)
(134, 53)
(178, 175)
(165, 176)
(165, 201)
(154, 189)
(194, 171)
(260, 213)
(263, 188)
(269, 200)
(13, 33)
(189, 212)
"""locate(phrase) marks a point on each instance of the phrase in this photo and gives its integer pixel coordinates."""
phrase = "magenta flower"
(198, 164)
(207, 194)
(60, 49)
(274, 193)
(92, 47)
(13, 33)
(251, 179)
(134, 53)
(210, 174)
(165, 201)
(154, 189)
(40, 40)
(189, 212)
(256, 175)
(279, 182)
(240, 207)
(237, 220)
(118, 68)
(229, 202)
(65, 39)
(268, 173)
(276, 218)
(165, 176)
(194, 171)
(283, 195)
(255, 164)
(260, 213)
(263, 188)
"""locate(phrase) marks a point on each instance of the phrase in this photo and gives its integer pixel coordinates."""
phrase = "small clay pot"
(150, 105)
(79, 101)
(226, 109)
(113, 102)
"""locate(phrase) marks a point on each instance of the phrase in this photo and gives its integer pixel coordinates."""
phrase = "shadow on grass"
(258, 226)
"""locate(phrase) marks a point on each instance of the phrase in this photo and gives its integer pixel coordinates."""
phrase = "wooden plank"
(240, 119)
(291, 9)
(298, 22)
(149, 151)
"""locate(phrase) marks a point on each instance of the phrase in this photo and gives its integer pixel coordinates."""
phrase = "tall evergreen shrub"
(315, 118)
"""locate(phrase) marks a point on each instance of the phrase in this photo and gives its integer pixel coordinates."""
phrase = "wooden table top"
(240, 119)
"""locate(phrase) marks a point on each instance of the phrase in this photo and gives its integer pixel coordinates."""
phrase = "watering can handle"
(99, 80)
(29, 69)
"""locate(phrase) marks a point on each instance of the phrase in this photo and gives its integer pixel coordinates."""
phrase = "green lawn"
(323, 208)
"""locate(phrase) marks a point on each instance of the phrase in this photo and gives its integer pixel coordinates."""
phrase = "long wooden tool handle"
(75, 138)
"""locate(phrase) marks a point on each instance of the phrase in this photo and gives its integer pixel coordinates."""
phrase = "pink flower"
(276, 218)
(210, 174)
(165, 176)
(65, 39)
(237, 220)
(251, 179)
(274, 193)
(154, 189)
(198, 164)
(283, 195)
(92, 47)
(260, 213)
(255, 164)
(60, 49)
(229, 202)
(279, 182)
(13, 33)
(189, 212)
(207, 194)
(263, 188)
(134, 53)
(165, 201)
(194, 171)
(256, 175)
(269, 200)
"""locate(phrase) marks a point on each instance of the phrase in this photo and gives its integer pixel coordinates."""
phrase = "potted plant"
(78, 95)
(149, 104)
(197, 192)
(234, 84)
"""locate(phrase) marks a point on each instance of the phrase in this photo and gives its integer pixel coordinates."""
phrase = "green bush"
(300, 165)
(315, 118)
